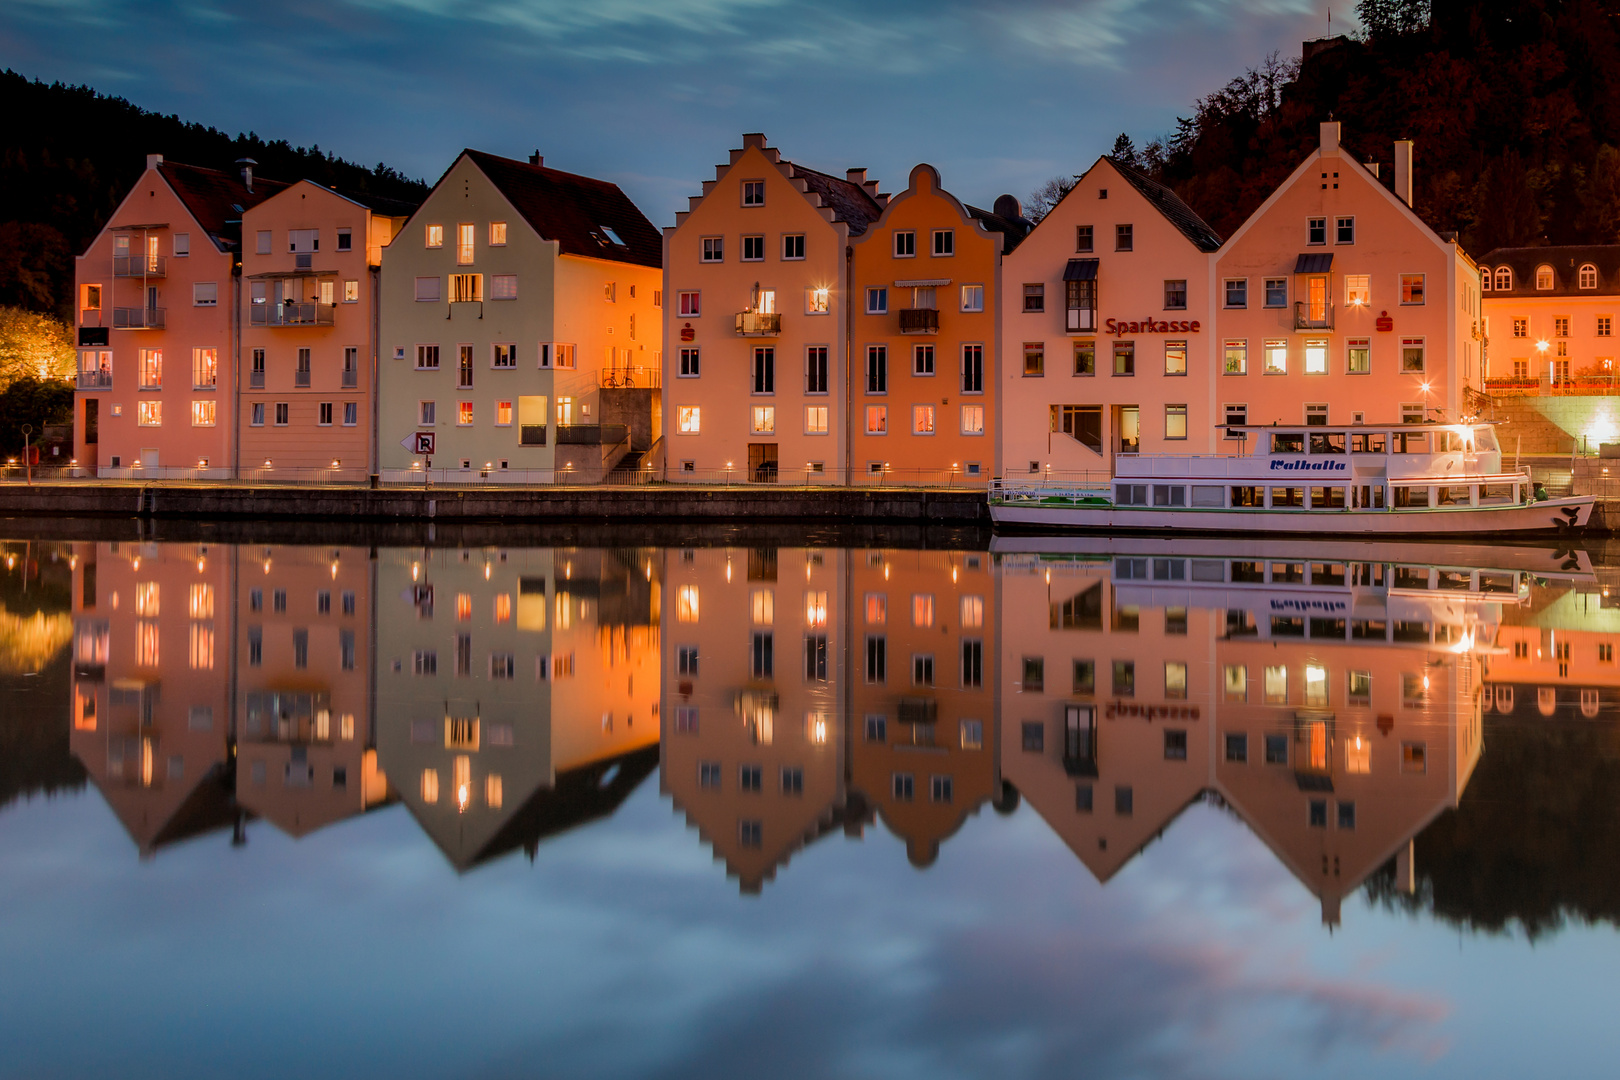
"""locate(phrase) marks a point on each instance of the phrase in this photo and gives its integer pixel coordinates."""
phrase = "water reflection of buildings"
(1332, 703)
(518, 689)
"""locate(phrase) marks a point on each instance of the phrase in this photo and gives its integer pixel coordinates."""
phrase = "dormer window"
(1544, 277)
(1504, 279)
(1588, 276)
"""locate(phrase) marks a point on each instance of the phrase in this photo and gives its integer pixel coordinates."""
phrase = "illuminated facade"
(1549, 317)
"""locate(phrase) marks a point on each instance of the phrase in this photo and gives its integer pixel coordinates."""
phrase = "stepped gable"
(574, 211)
(1169, 204)
(217, 199)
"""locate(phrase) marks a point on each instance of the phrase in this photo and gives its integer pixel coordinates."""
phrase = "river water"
(1024, 807)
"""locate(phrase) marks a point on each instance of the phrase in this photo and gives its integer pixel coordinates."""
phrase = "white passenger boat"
(1399, 480)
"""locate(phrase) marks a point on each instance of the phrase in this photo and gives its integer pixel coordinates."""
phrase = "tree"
(36, 402)
(1392, 18)
(1124, 151)
(34, 346)
(1044, 198)
(1509, 214)
(1600, 200)
(34, 262)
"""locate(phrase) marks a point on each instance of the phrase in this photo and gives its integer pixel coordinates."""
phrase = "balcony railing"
(634, 377)
(140, 265)
(301, 378)
(532, 435)
(95, 380)
(351, 379)
(135, 318)
(918, 710)
(591, 434)
(919, 321)
(255, 380)
(758, 324)
(1309, 316)
(292, 314)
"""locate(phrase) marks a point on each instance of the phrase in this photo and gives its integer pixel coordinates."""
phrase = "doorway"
(149, 457)
(1127, 429)
(762, 463)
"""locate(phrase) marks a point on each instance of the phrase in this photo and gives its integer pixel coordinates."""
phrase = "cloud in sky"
(652, 93)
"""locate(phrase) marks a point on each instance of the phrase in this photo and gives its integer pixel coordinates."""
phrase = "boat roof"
(1428, 425)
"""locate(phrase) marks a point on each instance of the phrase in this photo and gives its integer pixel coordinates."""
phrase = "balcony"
(255, 380)
(919, 321)
(292, 314)
(141, 266)
(1309, 316)
(759, 324)
(590, 434)
(918, 710)
(631, 377)
(95, 380)
(532, 435)
(301, 378)
(135, 318)
(351, 379)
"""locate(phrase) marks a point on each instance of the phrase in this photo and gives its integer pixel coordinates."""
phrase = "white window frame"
(904, 239)
(972, 297)
(880, 294)
(712, 249)
(945, 237)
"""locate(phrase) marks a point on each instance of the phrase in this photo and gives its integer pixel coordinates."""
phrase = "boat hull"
(1549, 516)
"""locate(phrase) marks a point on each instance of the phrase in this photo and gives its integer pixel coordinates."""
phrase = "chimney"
(755, 139)
(1330, 137)
(1405, 870)
(1403, 171)
(153, 160)
(856, 176)
(1372, 167)
(246, 165)
(536, 159)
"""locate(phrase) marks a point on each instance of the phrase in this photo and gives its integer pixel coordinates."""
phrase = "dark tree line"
(70, 154)
(1514, 106)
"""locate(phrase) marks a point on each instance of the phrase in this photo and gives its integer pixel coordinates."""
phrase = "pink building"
(156, 348)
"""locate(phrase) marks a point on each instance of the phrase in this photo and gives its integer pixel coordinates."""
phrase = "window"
(1124, 672)
(714, 249)
(282, 409)
(753, 249)
(1124, 358)
(428, 289)
(1124, 238)
(877, 659)
(204, 368)
(1085, 357)
(1358, 356)
(1034, 359)
(1082, 238)
(905, 244)
(1357, 289)
(1504, 279)
(1175, 295)
(427, 358)
(1316, 230)
(922, 419)
(1236, 360)
(345, 239)
(263, 245)
(503, 286)
(351, 292)
(466, 288)
(815, 420)
(877, 369)
(464, 244)
(1034, 297)
(1412, 355)
(426, 412)
(763, 420)
(1033, 734)
(503, 356)
(944, 242)
(256, 416)
(1237, 293)
(1605, 325)
(205, 294)
(753, 193)
(1521, 328)
(1561, 326)
(1276, 356)
(1344, 230)
(877, 301)
(1316, 350)
(688, 419)
(464, 414)
(689, 304)
(973, 419)
(435, 236)
(691, 364)
(972, 369)
(1587, 276)
(922, 359)
(1412, 288)
(497, 234)
(973, 298)
(1276, 292)
(764, 370)
(1175, 358)
(324, 414)
(877, 419)
(150, 368)
(1544, 277)
(202, 414)
(1276, 684)
(1175, 421)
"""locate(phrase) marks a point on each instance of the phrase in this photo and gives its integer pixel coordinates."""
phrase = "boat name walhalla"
(1150, 326)
(1307, 466)
(1116, 709)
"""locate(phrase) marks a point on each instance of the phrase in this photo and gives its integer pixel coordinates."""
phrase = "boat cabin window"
(1240, 623)
(1248, 496)
(1288, 442)
(1131, 495)
(1206, 495)
(1327, 573)
(1288, 496)
(1169, 495)
(1411, 577)
(1485, 440)
(1411, 442)
(1367, 442)
(1327, 498)
(1452, 495)
(1327, 442)
(1498, 583)
(1248, 572)
(1371, 497)
(1449, 442)
(1496, 493)
(1411, 496)
(1288, 573)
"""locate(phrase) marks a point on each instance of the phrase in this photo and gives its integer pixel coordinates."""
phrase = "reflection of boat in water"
(1396, 480)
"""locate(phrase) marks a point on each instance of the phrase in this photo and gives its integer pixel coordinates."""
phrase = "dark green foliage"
(70, 155)
(36, 402)
(1514, 106)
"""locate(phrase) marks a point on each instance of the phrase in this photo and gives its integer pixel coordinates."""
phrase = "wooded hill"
(70, 155)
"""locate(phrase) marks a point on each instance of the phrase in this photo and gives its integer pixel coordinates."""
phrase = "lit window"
(464, 244)
(762, 604)
(817, 300)
(1358, 356)
(686, 604)
(204, 368)
(1412, 288)
(435, 236)
(351, 292)
(1316, 350)
(763, 420)
(464, 414)
(202, 414)
(922, 609)
(148, 597)
(150, 369)
(466, 288)
(1237, 358)
(503, 414)
(972, 612)
(815, 609)
(202, 646)
(1175, 358)
(973, 419)
(1276, 685)
(877, 609)
(688, 419)
(815, 420)
(1412, 355)
(922, 419)
(1358, 755)
(1175, 421)
(1276, 355)
(430, 779)
(1544, 277)
(497, 234)
(1316, 691)
(877, 419)
(150, 414)
(1357, 289)
(973, 298)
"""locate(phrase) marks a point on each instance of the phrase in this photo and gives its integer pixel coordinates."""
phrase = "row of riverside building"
(792, 326)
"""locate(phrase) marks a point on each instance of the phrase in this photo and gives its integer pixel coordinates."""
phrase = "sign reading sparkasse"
(1117, 327)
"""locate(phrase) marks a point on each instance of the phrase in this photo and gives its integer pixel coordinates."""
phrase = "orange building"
(156, 296)
(758, 379)
(927, 275)
(305, 757)
(151, 677)
(922, 686)
(1549, 321)
(308, 319)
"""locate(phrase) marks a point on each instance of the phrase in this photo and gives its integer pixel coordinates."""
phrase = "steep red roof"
(580, 214)
(216, 199)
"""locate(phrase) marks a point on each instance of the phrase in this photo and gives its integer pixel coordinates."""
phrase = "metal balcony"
(758, 324)
(918, 710)
(532, 435)
(351, 379)
(919, 320)
(292, 315)
(255, 380)
(136, 318)
(95, 380)
(631, 377)
(141, 266)
(1308, 316)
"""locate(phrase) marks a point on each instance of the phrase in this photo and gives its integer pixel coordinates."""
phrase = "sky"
(652, 93)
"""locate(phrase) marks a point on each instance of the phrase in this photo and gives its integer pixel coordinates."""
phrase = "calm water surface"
(1122, 808)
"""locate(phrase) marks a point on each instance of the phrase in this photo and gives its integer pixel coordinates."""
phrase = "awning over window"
(1315, 262)
(1080, 270)
(923, 283)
